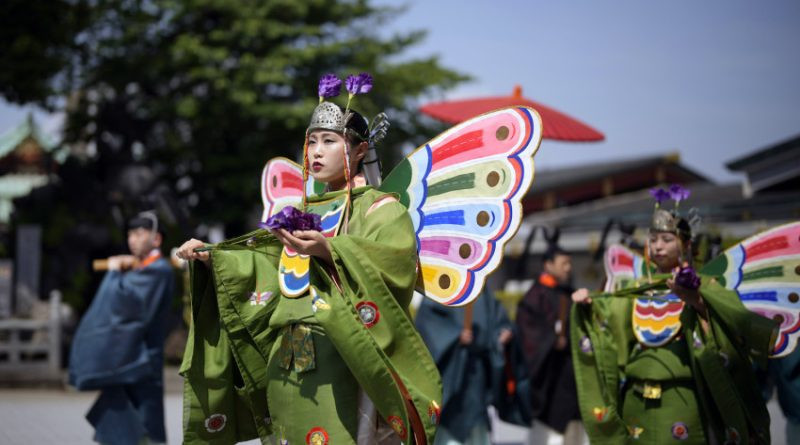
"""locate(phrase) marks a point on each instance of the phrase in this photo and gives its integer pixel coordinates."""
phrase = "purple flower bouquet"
(291, 219)
(687, 278)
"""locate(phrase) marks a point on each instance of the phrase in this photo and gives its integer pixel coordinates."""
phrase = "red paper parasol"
(555, 124)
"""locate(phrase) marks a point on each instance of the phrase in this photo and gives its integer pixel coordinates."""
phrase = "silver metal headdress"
(670, 220)
(664, 221)
(328, 116)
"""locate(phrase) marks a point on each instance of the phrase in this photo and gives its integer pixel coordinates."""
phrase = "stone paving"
(56, 416)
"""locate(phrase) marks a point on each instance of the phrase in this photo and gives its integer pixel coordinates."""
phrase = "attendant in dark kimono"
(470, 357)
(543, 324)
(119, 345)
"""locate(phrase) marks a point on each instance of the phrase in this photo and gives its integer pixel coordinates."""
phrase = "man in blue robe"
(470, 357)
(119, 345)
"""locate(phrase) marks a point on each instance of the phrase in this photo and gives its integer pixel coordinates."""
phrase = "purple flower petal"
(291, 219)
(678, 193)
(329, 86)
(365, 83)
(659, 194)
(358, 84)
(687, 278)
(352, 84)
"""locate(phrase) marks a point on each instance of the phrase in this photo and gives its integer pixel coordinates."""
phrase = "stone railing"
(30, 349)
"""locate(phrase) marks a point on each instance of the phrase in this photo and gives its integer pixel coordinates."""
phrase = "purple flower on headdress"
(687, 278)
(659, 194)
(291, 219)
(678, 192)
(329, 86)
(358, 84)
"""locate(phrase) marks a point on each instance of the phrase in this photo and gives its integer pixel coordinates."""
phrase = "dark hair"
(552, 252)
(684, 230)
(359, 132)
(143, 221)
(357, 124)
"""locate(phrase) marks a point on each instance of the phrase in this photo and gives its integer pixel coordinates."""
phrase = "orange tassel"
(305, 169)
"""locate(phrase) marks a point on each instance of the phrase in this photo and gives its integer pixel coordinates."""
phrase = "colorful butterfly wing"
(765, 271)
(623, 266)
(463, 191)
(282, 185)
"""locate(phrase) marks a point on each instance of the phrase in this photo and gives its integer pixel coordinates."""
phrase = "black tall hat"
(147, 220)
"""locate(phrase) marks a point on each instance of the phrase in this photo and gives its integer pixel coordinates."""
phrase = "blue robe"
(784, 376)
(119, 349)
(473, 376)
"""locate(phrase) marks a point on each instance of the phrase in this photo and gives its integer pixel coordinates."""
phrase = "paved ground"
(55, 416)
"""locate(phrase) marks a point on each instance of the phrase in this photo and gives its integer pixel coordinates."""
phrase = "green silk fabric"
(708, 386)
(235, 364)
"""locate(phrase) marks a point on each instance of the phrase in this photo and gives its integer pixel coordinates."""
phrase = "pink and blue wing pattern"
(293, 268)
(282, 185)
(623, 266)
(764, 270)
(463, 193)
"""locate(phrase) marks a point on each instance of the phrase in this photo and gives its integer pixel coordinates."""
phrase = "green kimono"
(695, 387)
(259, 363)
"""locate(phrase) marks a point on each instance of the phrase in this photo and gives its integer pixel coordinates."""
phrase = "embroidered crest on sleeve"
(368, 313)
(215, 422)
(397, 425)
(317, 436)
(679, 431)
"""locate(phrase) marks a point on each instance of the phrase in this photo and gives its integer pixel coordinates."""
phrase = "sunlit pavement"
(56, 416)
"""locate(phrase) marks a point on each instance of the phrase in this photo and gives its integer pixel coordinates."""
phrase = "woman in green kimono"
(304, 335)
(666, 369)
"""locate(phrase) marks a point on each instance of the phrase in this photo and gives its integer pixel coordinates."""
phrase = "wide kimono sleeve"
(723, 363)
(229, 342)
(114, 343)
(365, 314)
(600, 337)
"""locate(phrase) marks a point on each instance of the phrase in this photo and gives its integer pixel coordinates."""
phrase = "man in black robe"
(543, 326)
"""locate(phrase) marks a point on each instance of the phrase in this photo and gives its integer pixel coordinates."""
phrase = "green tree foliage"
(211, 89)
(37, 40)
(197, 95)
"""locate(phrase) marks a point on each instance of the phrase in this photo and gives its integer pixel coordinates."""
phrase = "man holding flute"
(119, 345)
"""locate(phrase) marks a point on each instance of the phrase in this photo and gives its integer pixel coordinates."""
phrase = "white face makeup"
(326, 158)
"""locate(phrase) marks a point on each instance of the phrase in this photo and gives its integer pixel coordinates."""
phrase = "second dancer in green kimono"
(671, 368)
